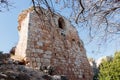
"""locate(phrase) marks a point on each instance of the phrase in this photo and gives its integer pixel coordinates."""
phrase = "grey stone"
(40, 43)
(3, 75)
(23, 77)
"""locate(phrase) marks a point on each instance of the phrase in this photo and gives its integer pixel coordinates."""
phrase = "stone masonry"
(52, 40)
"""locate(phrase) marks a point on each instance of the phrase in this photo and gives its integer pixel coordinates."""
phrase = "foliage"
(110, 70)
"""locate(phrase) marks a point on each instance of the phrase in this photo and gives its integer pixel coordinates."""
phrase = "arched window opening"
(73, 39)
(61, 23)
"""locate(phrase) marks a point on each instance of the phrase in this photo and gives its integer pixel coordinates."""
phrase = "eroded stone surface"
(52, 40)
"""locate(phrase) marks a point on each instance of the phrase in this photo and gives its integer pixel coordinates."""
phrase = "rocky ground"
(16, 70)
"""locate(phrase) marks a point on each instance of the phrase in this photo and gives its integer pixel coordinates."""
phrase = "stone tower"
(52, 40)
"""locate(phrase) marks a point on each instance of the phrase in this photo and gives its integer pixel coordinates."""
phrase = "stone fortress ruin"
(46, 39)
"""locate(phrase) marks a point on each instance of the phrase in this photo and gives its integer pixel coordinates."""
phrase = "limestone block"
(32, 59)
(47, 60)
(33, 50)
(64, 61)
(48, 52)
(38, 64)
(34, 64)
(36, 55)
(80, 76)
(38, 60)
(47, 56)
(27, 55)
(40, 43)
(41, 59)
(39, 50)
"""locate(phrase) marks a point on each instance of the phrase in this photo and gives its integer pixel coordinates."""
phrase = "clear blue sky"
(9, 34)
(8, 24)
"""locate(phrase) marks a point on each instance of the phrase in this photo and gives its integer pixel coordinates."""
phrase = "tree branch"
(48, 6)
(80, 2)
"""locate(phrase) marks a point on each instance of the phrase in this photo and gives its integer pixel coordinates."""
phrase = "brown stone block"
(44, 48)
(47, 44)
(37, 47)
(36, 55)
(34, 64)
(40, 55)
(32, 54)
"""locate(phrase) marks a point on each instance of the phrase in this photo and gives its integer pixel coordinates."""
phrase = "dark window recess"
(53, 37)
(79, 44)
(64, 56)
(61, 23)
(73, 39)
(55, 54)
(83, 76)
(63, 34)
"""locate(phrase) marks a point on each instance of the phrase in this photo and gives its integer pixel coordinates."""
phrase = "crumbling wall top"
(22, 16)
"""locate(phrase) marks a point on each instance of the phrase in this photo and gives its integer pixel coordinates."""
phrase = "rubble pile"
(16, 70)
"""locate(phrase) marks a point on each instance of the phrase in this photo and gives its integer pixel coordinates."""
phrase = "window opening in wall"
(55, 54)
(83, 76)
(61, 23)
(73, 39)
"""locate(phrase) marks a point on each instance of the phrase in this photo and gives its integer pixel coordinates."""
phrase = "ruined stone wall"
(23, 37)
(52, 40)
